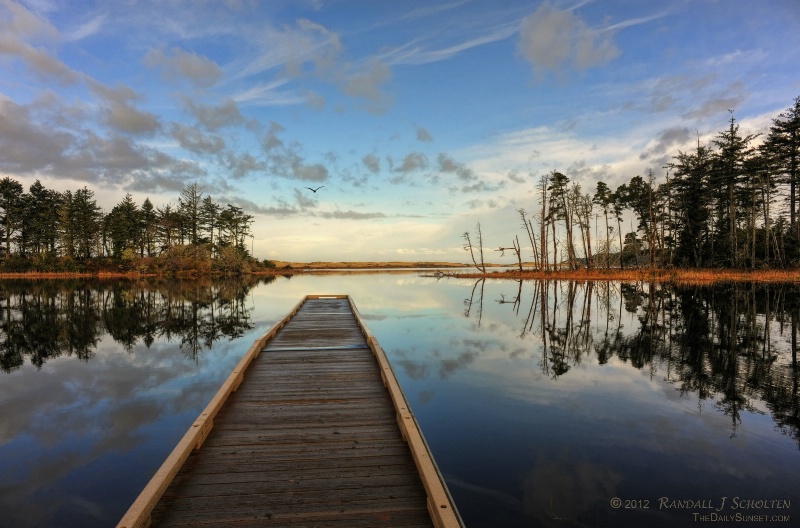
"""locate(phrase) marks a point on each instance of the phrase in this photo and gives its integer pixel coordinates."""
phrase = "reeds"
(680, 276)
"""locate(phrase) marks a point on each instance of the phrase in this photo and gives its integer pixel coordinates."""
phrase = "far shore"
(457, 270)
(684, 276)
(281, 265)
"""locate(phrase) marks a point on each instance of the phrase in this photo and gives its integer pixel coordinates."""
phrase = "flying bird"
(315, 190)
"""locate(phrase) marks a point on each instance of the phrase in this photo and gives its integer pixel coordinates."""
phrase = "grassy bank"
(683, 276)
(328, 265)
(441, 269)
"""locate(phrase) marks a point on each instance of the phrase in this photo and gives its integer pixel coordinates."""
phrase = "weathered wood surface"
(310, 438)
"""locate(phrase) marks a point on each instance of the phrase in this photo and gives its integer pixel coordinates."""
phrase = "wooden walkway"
(318, 434)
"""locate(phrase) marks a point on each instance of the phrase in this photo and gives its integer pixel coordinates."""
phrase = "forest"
(729, 204)
(44, 230)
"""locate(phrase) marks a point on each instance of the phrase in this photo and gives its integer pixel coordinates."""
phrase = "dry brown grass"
(363, 265)
(680, 276)
(72, 275)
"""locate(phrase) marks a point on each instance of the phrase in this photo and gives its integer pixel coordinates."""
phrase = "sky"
(419, 118)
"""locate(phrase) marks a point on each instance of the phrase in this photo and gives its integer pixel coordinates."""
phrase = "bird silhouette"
(315, 190)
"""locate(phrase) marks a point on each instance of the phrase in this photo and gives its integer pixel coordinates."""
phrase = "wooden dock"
(314, 431)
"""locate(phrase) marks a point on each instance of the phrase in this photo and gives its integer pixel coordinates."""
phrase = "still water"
(545, 403)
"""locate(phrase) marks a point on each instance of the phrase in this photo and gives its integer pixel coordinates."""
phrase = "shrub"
(15, 264)
(182, 260)
(231, 261)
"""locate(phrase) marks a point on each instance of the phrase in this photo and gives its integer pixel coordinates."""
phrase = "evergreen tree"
(783, 145)
(86, 219)
(619, 201)
(66, 228)
(727, 179)
(604, 198)
(41, 219)
(169, 222)
(10, 209)
(209, 217)
(561, 209)
(691, 200)
(640, 199)
(190, 203)
(149, 218)
(234, 227)
(123, 226)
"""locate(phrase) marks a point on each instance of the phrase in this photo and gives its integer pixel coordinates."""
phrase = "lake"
(544, 403)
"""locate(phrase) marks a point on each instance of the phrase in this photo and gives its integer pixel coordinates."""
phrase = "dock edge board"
(440, 505)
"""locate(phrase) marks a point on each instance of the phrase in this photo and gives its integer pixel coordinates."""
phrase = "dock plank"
(311, 437)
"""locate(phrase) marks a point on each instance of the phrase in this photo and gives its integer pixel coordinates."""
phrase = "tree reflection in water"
(42, 320)
(734, 344)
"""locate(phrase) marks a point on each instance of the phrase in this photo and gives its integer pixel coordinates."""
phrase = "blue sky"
(419, 118)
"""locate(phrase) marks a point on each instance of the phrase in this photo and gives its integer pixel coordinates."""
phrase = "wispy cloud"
(351, 215)
(268, 94)
(87, 29)
(637, 21)
(417, 52)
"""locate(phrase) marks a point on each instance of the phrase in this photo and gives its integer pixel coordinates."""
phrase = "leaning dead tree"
(515, 248)
(469, 247)
(528, 225)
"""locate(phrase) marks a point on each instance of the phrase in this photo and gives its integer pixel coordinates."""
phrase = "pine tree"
(11, 207)
(783, 144)
(86, 220)
(190, 203)
(561, 209)
(730, 191)
(603, 197)
(691, 200)
(124, 226)
(41, 219)
(209, 217)
(149, 219)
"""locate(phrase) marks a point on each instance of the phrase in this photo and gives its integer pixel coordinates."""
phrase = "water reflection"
(43, 320)
(735, 344)
(79, 439)
(541, 400)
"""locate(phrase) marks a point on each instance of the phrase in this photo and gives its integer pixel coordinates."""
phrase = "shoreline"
(682, 276)
(453, 270)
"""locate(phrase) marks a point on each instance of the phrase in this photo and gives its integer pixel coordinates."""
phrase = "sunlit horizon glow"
(419, 119)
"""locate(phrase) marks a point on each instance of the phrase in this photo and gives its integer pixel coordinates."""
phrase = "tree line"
(42, 226)
(732, 203)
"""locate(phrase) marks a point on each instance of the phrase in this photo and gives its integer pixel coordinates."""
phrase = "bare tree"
(515, 248)
(543, 264)
(469, 247)
(528, 225)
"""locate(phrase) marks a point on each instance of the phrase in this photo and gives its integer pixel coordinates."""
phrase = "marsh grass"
(679, 276)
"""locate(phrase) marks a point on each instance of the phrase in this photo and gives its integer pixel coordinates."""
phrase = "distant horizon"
(418, 120)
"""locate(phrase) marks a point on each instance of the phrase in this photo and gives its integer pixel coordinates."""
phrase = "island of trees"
(731, 204)
(44, 230)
